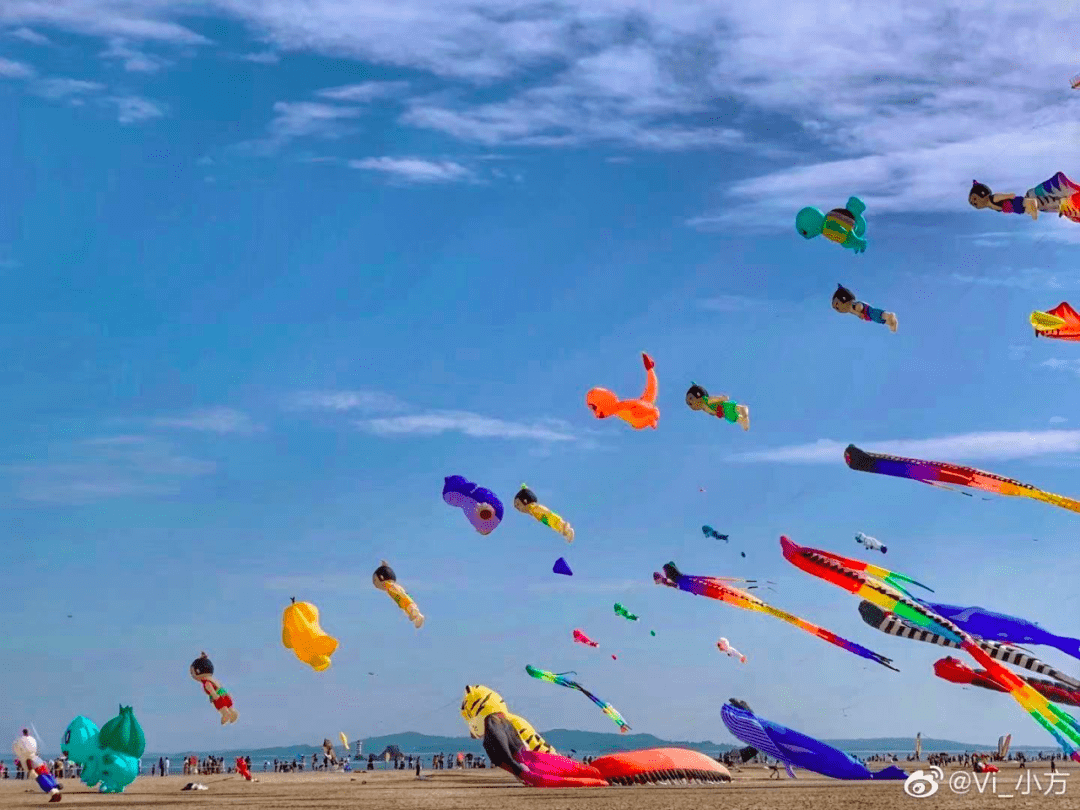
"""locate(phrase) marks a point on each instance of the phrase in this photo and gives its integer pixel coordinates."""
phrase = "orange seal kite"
(638, 413)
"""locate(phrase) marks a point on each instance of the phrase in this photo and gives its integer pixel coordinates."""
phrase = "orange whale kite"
(1062, 322)
(638, 413)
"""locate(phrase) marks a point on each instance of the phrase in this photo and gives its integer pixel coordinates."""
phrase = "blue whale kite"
(795, 749)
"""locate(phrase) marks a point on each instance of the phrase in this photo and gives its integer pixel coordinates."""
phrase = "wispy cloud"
(262, 58)
(732, 303)
(996, 445)
(434, 423)
(363, 92)
(1058, 420)
(597, 586)
(10, 69)
(62, 88)
(341, 401)
(211, 420)
(29, 35)
(104, 18)
(416, 170)
(1061, 365)
(134, 60)
(305, 119)
(103, 468)
(1026, 279)
(133, 109)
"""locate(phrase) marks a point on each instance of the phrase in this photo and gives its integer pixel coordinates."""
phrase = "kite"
(561, 680)
(109, 755)
(481, 506)
(385, 579)
(722, 407)
(638, 413)
(887, 623)
(512, 744)
(525, 501)
(626, 614)
(301, 633)
(870, 543)
(243, 770)
(1074, 83)
(725, 647)
(25, 749)
(843, 300)
(845, 226)
(986, 624)
(1062, 726)
(1061, 323)
(709, 531)
(796, 750)
(345, 741)
(956, 671)
(562, 567)
(581, 638)
(1058, 195)
(939, 473)
(203, 671)
(721, 589)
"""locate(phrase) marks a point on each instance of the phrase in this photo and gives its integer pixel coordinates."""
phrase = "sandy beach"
(752, 789)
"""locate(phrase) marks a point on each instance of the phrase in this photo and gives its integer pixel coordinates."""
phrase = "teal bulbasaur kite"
(845, 226)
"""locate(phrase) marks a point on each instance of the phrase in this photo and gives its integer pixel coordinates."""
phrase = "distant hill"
(565, 740)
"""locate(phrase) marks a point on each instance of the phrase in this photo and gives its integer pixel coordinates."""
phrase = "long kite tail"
(606, 707)
(822, 633)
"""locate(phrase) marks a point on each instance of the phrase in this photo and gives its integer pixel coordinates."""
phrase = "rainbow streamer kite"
(939, 473)
(1062, 726)
(561, 680)
(719, 588)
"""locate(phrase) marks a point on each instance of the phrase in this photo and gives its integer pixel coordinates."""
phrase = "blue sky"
(270, 276)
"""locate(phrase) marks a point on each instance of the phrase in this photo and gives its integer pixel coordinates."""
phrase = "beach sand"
(752, 789)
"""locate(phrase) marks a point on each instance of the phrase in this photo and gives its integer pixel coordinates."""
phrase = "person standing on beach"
(161, 765)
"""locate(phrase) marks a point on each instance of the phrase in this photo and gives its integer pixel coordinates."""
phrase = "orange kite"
(1062, 322)
(638, 413)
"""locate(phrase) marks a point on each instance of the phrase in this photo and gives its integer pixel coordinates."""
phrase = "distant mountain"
(566, 740)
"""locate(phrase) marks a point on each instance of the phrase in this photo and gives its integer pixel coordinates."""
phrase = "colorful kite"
(796, 750)
(1061, 323)
(726, 647)
(562, 567)
(939, 473)
(638, 413)
(202, 670)
(869, 543)
(709, 531)
(845, 226)
(986, 624)
(561, 680)
(1058, 195)
(721, 407)
(385, 579)
(956, 671)
(626, 614)
(526, 501)
(482, 507)
(301, 633)
(887, 623)
(721, 589)
(843, 300)
(1062, 726)
(581, 638)
(1074, 83)
(25, 749)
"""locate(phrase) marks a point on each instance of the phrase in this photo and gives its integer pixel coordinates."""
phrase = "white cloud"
(29, 35)
(65, 88)
(996, 445)
(733, 303)
(302, 119)
(134, 60)
(262, 58)
(104, 468)
(1058, 420)
(1027, 279)
(416, 170)
(132, 109)
(103, 18)
(1062, 365)
(341, 401)
(211, 420)
(434, 423)
(363, 92)
(10, 69)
